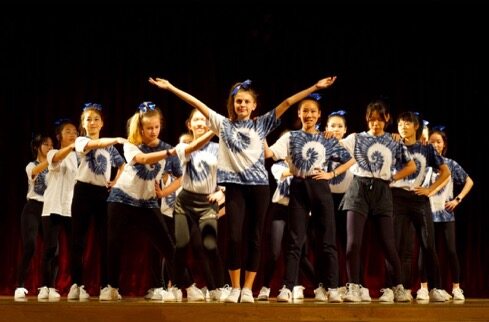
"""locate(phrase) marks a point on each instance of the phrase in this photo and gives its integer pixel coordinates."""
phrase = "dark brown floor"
(137, 309)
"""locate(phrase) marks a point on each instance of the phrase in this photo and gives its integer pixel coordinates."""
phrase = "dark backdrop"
(414, 56)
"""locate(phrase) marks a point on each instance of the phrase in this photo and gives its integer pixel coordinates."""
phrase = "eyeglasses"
(146, 106)
(89, 105)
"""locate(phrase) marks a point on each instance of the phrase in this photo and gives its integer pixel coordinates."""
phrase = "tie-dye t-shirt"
(375, 155)
(241, 148)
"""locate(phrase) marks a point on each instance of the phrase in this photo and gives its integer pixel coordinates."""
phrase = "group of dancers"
(327, 185)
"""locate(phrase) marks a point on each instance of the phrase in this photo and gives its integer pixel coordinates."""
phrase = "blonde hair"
(135, 125)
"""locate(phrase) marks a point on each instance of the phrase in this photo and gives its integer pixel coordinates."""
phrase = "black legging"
(196, 222)
(52, 226)
(314, 197)
(89, 201)
(30, 225)
(279, 213)
(246, 206)
(355, 224)
(447, 230)
(122, 218)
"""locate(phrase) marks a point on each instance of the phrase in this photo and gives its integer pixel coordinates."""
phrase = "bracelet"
(458, 199)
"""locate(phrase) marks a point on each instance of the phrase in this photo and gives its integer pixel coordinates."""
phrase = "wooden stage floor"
(138, 309)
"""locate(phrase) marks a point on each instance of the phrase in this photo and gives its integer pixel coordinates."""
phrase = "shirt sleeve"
(280, 148)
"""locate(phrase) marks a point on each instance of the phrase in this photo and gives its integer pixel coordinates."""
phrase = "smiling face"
(197, 124)
(309, 115)
(438, 143)
(92, 123)
(336, 125)
(244, 105)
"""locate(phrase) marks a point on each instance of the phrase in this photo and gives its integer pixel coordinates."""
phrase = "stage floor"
(138, 309)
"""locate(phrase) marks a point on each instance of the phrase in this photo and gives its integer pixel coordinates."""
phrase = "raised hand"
(160, 82)
(326, 82)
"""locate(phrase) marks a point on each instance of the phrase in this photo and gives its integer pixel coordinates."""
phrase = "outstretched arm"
(165, 84)
(103, 143)
(288, 102)
(63, 152)
(199, 143)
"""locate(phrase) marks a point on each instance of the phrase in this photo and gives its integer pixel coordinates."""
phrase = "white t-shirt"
(61, 182)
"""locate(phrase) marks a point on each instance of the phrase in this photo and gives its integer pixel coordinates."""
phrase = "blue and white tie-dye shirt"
(241, 148)
(375, 155)
(341, 182)
(136, 184)
(199, 168)
(36, 185)
(96, 165)
(438, 200)
(424, 155)
(281, 194)
(307, 152)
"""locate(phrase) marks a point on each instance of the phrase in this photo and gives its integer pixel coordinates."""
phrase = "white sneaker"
(78, 293)
(458, 294)
(264, 294)
(436, 295)
(342, 291)
(53, 294)
(224, 292)
(365, 294)
(448, 297)
(387, 296)
(401, 294)
(423, 294)
(205, 291)
(246, 296)
(173, 294)
(233, 295)
(149, 294)
(334, 296)
(43, 293)
(352, 293)
(109, 293)
(154, 294)
(74, 293)
(194, 294)
(284, 295)
(320, 294)
(20, 293)
(298, 292)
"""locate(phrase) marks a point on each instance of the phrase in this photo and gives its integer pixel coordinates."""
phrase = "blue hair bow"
(439, 128)
(314, 96)
(147, 106)
(338, 113)
(426, 123)
(95, 106)
(244, 85)
(61, 120)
